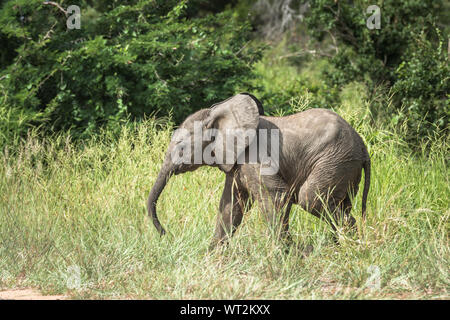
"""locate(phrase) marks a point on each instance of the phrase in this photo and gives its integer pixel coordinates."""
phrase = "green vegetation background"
(132, 59)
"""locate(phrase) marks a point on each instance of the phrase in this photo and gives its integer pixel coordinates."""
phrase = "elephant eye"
(181, 144)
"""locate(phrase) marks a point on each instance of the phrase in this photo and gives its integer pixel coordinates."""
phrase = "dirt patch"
(27, 294)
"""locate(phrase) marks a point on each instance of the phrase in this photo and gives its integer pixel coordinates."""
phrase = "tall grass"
(67, 206)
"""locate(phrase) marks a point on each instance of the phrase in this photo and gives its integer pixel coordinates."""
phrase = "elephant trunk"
(156, 191)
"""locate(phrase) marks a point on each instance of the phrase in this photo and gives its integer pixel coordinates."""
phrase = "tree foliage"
(407, 53)
(135, 58)
(129, 59)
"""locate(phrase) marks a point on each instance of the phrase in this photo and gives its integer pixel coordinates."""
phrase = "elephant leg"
(321, 201)
(276, 211)
(233, 203)
(346, 208)
(329, 202)
(273, 195)
(314, 200)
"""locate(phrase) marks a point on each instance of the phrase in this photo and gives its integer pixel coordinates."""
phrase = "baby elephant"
(313, 158)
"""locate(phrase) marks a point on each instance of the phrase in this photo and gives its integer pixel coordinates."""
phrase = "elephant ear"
(236, 120)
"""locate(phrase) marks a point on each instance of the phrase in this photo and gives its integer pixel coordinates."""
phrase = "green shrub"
(405, 54)
(126, 61)
(423, 87)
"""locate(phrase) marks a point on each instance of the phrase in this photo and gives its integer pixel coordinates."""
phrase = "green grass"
(64, 204)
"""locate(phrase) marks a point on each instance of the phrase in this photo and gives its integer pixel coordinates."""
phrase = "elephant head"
(206, 132)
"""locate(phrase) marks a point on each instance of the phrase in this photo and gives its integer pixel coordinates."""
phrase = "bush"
(405, 54)
(129, 60)
(423, 87)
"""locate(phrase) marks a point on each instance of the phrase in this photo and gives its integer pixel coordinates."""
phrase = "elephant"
(317, 162)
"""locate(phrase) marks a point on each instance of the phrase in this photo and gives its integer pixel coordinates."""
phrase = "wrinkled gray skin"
(320, 164)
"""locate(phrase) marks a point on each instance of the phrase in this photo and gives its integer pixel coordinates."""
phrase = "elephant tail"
(366, 166)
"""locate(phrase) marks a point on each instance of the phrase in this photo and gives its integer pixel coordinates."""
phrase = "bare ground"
(27, 294)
